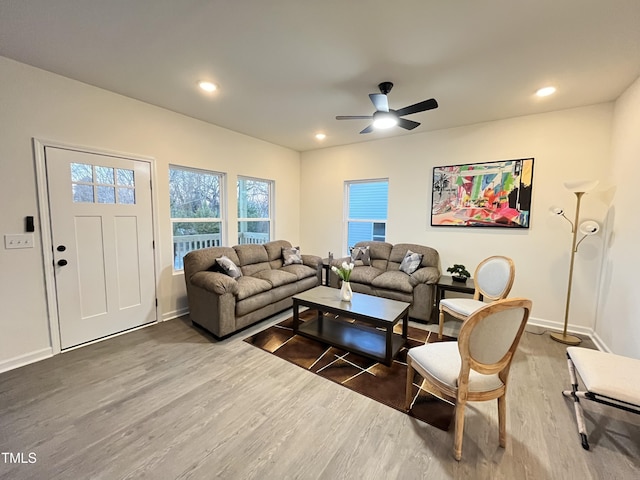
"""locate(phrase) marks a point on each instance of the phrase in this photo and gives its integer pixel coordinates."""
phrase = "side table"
(326, 266)
(447, 284)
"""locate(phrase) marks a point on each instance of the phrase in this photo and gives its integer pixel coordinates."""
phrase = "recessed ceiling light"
(546, 91)
(207, 86)
(321, 136)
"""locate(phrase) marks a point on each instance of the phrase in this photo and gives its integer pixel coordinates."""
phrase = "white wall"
(618, 321)
(566, 145)
(35, 103)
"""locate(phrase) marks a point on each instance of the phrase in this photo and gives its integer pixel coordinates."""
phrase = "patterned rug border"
(362, 375)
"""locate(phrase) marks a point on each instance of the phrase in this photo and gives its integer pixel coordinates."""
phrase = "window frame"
(269, 219)
(373, 221)
(222, 220)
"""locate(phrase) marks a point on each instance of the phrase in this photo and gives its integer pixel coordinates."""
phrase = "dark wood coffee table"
(372, 338)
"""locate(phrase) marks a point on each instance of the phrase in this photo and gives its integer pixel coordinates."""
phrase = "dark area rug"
(360, 374)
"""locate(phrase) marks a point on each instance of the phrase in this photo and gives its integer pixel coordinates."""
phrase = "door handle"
(62, 262)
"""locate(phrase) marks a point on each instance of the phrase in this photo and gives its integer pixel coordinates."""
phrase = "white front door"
(102, 237)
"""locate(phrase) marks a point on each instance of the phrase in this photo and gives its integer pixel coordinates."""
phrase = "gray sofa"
(384, 278)
(222, 304)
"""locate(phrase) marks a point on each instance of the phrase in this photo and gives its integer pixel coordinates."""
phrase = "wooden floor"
(170, 402)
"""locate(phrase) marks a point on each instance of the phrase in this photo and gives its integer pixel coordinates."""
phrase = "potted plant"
(458, 272)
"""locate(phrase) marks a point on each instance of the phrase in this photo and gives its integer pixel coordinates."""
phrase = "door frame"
(42, 188)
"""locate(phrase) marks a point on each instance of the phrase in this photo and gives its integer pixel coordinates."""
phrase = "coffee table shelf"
(364, 340)
(371, 337)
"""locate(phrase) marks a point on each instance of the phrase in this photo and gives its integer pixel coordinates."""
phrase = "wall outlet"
(22, 240)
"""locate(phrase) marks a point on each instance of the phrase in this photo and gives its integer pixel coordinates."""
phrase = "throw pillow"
(228, 267)
(362, 254)
(291, 255)
(411, 262)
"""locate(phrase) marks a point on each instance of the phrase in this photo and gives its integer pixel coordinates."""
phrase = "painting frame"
(493, 194)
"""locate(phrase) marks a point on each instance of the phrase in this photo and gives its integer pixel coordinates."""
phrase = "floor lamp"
(586, 228)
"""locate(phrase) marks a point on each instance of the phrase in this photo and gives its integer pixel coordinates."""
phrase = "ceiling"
(286, 68)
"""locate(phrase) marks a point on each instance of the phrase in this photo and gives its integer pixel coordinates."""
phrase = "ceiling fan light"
(384, 120)
(207, 86)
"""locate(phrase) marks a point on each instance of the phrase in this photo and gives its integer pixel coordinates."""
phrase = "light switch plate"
(18, 240)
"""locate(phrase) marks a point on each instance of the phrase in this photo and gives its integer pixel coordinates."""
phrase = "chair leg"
(409, 389)
(459, 429)
(440, 324)
(502, 420)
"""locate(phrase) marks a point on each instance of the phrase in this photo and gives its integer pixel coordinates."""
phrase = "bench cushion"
(608, 374)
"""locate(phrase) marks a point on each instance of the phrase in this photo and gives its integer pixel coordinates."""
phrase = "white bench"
(610, 379)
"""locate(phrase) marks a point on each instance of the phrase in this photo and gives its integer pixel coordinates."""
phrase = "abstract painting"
(491, 194)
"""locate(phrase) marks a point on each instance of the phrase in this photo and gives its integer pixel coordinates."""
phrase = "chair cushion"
(462, 306)
(442, 361)
(608, 374)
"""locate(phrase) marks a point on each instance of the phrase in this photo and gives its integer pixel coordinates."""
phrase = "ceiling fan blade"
(418, 107)
(369, 129)
(354, 117)
(379, 101)
(407, 124)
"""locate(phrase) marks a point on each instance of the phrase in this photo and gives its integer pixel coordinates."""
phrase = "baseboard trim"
(558, 327)
(175, 314)
(22, 360)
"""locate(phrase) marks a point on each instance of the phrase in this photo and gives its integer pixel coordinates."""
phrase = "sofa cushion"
(362, 255)
(291, 256)
(365, 274)
(228, 267)
(274, 252)
(248, 286)
(250, 254)
(378, 252)
(429, 255)
(410, 262)
(300, 271)
(393, 280)
(205, 258)
(276, 277)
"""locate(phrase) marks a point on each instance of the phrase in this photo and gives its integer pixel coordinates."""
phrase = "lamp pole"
(564, 338)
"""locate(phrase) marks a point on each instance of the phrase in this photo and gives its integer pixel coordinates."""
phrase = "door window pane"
(81, 172)
(104, 175)
(126, 196)
(106, 194)
(82, 193)
(125, 177)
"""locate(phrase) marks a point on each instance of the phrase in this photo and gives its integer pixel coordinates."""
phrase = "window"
(366, 211)
(196, 210)
(254, 210)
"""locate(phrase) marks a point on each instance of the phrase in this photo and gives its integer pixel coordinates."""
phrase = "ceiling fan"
(384, 117)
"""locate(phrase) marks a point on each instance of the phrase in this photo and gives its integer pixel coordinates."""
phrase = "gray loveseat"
(384, 278)
(222, 304)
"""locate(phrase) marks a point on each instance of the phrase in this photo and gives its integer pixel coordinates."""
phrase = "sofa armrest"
(215, 282)
(428, 275)
(312, 261)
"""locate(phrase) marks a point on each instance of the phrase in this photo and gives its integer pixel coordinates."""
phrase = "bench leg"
(573, 393)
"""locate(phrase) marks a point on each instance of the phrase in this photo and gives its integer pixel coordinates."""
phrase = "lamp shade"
(589, 227)
(556, 210)
(581, 185)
